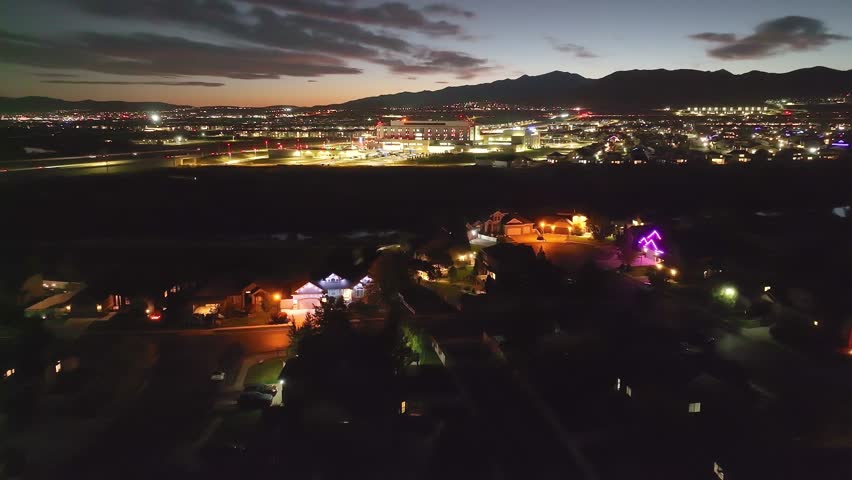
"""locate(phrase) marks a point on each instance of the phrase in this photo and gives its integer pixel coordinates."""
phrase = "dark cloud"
(578, 51)
(54, 75)
(781, 35)
(333, 28)
(109, 82)
(442, 82)
(158, 55)
(715, 37)
(390, 14)
(461, 64)
(312, 81)
(447, 9)
(260, 25)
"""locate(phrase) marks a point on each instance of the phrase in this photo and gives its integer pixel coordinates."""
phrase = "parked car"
(261, 388)
(254, 399)
(697, 343)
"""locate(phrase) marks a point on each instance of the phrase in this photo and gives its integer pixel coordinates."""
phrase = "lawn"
(266, 372)
(427, 353)
(450, 293)
(236, 427)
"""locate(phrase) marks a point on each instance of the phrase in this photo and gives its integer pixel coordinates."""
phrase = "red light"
(787, 112)
(155, 317)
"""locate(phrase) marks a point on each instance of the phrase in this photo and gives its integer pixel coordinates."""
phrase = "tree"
(390, 274)
(400, 342)
(657, 278)
(626, 252)
(601, 226)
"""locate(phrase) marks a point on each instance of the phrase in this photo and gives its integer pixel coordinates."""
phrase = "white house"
(311, 294)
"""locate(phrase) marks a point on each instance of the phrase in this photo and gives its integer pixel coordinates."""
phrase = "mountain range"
(631, 89)
(11, 105)
(624, 90)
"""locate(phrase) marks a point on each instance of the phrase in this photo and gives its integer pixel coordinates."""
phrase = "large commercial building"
(449, 130)
(516, 139)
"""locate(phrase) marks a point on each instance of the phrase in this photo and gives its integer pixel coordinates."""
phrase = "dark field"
(240, 201)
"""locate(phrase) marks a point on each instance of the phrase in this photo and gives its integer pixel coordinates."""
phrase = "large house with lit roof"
(311, 294)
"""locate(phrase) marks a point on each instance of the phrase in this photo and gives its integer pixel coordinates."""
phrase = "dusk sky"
(309, 52)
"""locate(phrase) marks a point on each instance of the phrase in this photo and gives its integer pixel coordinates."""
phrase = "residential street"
(174, 401)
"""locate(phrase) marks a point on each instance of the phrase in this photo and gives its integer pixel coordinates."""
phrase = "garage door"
(513, 231)
(308, 303)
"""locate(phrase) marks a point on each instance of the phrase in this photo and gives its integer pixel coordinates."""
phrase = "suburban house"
(443, 250)
(500, 224)
(679, 391)
(312, 294)
(507, 265)
(556, 157)
(227, 294)
(95, 302)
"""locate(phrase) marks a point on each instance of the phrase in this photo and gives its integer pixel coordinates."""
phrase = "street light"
(729, 292)
(673, 272)
(276, 297)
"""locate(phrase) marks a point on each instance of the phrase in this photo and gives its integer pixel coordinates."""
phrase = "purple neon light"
(648, 242)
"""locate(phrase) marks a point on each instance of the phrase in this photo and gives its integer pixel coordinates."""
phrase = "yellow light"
(67, 308)
(816, 323)
(99, 307)
(276, 297)
(673, 272)
(462, 258)
(767, 288)
(147, 311)
(659, 266)
(541, 224)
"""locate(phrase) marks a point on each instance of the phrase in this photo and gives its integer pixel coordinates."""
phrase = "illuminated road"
(122, 162)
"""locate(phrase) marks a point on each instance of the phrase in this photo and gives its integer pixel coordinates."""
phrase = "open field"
(214, 201)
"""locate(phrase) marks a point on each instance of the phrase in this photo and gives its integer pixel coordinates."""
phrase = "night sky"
(309, 52)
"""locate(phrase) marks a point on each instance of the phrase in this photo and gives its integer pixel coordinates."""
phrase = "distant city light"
(155, 117)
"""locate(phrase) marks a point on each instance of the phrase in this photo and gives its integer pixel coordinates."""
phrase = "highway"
(126, 162)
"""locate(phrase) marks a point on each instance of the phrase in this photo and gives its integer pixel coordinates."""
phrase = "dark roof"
(510, 254)
(223, 287)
